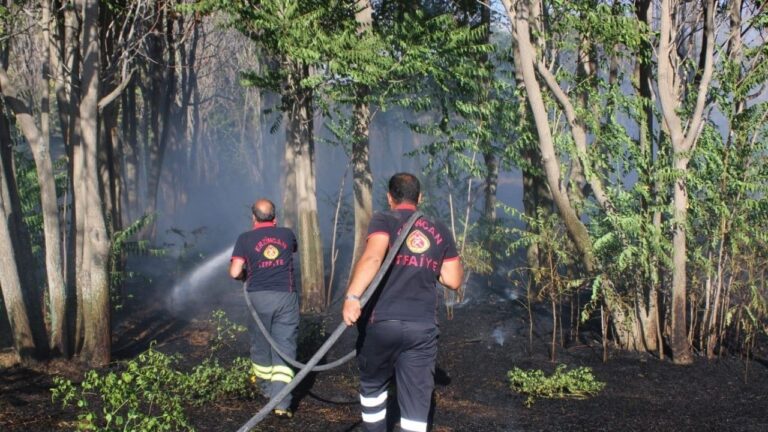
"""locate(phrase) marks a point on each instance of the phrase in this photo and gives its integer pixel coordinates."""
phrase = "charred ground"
(484, 340)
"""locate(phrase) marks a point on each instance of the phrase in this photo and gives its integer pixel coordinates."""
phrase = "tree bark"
(525, 51)
(57, 292)
(164, 93)
(682, 144)
(648, 296)
(10, 283)
(38, 143)
(130, 185)
(289, 176)
(310, 244)
(96, 344)
(489, 155)
(362, 177)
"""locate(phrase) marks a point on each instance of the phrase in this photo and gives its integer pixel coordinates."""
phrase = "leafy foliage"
(151, 392)
(577, 383)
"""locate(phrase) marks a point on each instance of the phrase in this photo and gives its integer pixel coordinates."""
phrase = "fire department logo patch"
(271, 252)
(417, 242)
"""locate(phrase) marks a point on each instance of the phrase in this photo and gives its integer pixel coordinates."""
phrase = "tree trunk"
(23, 256)
(682, 143)
(96, 344)
(310, 244)
(289, 176)
(10, 283)
(648, 296)
(362, 177)
(525, 51)
(38, 143)
(489, 156)
(164, 92)
(57, 292)
(130, 155)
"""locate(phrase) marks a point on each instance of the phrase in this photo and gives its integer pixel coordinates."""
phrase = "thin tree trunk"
(362, 177)
(130, 154)
(525, 51)
(682, 143)
(489, 156)
(38, 143)
(57, 293)
(163, 113)
(310, 244)
(10, 283)
(648, 294)
(289, 175)
(96, 344)
(17, 230)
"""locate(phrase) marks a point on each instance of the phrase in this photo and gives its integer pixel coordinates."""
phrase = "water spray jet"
(191, 285)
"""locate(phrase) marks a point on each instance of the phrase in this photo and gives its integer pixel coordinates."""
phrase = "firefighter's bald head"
(263, 210)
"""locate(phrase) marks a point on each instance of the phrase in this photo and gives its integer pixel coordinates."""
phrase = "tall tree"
(521, 14)
(672, 92)
(10, 283)
(96, 344)
(42, 155)
(362, 177)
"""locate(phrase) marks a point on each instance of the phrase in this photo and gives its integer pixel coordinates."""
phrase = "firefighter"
(263, 258)
(398, 328)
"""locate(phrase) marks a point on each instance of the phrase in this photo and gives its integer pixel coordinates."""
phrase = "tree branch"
(106, 100)
(579, 136)
(706, 77)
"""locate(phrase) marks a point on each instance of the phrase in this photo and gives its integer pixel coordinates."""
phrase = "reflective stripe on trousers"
(279, 312)
(407, 351)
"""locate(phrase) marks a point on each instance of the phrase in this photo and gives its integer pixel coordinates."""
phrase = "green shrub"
(577, 383)
(151, 393)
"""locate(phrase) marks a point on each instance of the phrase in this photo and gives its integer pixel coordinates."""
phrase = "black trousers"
(406, 351)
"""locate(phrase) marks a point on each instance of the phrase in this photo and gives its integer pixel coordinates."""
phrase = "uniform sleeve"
(239, 253)
(294, 243)
(450, 252)
(378, 225)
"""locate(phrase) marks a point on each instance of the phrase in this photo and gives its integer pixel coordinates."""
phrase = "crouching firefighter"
(398, 328)
(263, 258)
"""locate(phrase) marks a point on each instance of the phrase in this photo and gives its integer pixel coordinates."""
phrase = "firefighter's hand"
(242, 276)
(351, 311)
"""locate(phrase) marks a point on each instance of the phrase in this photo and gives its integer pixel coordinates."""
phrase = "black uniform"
(399, 325)
(268, 255)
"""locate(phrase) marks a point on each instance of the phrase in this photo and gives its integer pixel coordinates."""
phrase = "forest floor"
(486, 338)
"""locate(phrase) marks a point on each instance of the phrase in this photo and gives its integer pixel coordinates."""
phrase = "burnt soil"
(486, 338)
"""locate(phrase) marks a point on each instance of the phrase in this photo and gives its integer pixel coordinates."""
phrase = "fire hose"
(311, 365)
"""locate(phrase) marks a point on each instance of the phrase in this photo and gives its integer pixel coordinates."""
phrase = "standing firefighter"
(398, 328)
(263, 258)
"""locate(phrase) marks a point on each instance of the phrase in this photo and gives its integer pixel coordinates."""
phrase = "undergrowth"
(576, 383)
(151, 392)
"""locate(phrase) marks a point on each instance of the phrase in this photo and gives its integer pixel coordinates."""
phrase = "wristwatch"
(352, 297)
